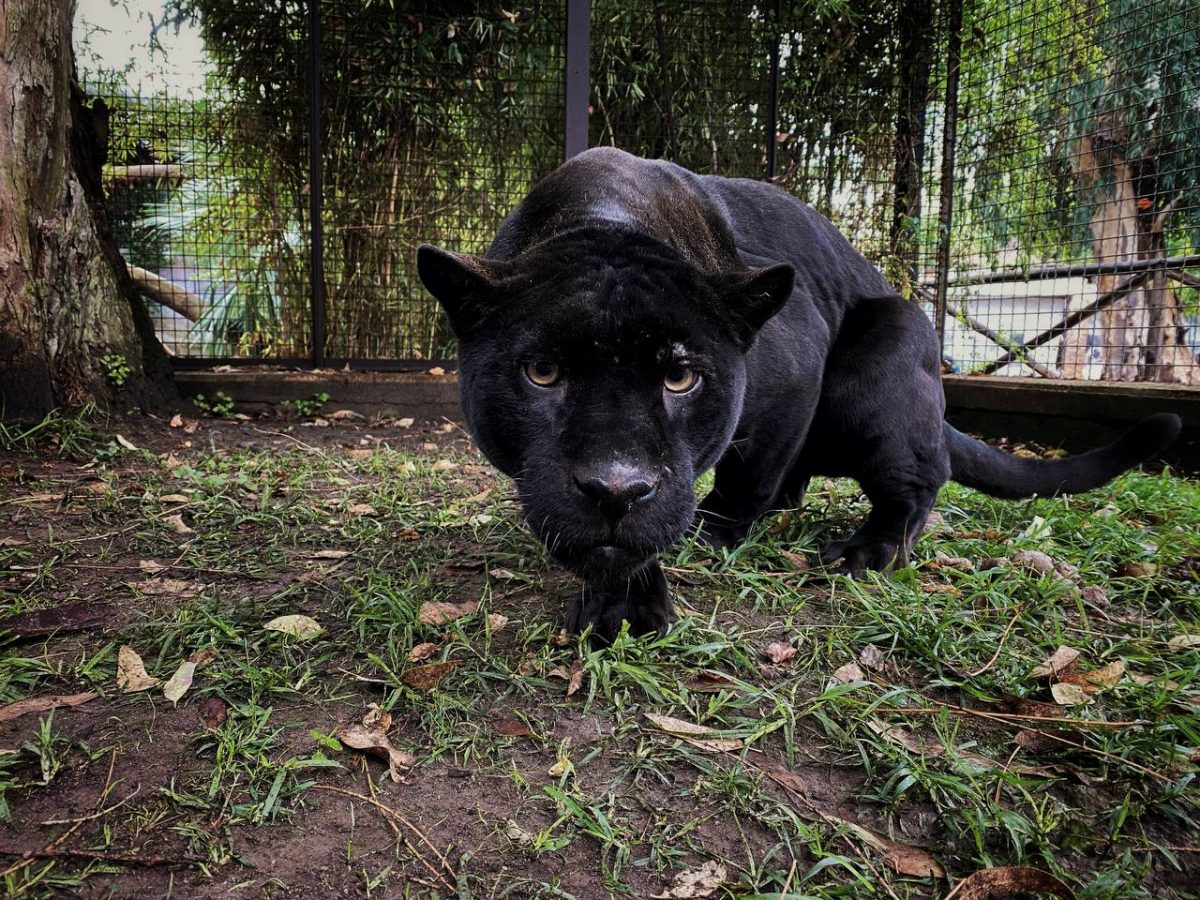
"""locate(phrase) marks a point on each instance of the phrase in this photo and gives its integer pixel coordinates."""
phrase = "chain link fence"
(1029, 172)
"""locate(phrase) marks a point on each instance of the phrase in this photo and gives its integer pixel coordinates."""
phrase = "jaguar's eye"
(543, 372)
(680, 379)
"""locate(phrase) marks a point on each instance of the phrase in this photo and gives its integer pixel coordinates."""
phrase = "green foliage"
(116, 368)
(220, 406)
(307, 408)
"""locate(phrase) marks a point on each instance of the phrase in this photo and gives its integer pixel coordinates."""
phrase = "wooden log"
(168, 293)
(159, 173)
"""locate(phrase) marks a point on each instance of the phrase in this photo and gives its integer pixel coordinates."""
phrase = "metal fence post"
(315, 193)
(773, 89)
(949, 137)
(578, 76)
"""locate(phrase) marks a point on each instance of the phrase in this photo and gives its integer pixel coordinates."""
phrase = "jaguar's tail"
(1002, 475)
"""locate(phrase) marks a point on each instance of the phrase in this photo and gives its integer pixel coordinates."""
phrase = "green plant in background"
(116, 368)
(220, 406)
(307, 408)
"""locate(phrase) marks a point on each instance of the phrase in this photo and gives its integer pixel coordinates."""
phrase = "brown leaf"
(329, 554)
(1033, 560)
(1059, 662)
(422, 651)
(443, 465)
(711, 683)
(150, 567)
(81, 616)
(164, 587)
(1023, 706)
(131, 672)
(871, 657)
(11, 711)
(799, 561)
(1137, 569)
(437, 371)
(376, 743)
(696, 735)
(213, 711)
(1098, 680)
(1036, 741)
(696, 883)
(361, 509)
(1010, 881)
(848, 673)
(203, 657)
(779, 652)
(174, 498)
(301, 627)
(903, 858)
(176, 421)
(377, 719)
(177, 525)
(436, 612)
(576, 679)
(497, 622)
(424, 678)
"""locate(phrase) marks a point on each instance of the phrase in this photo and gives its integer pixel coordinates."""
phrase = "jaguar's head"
(604, 374)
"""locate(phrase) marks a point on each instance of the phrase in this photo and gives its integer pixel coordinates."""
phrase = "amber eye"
(542, 372)
(680, 379)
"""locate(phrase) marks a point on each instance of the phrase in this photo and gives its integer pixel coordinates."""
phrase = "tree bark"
(66, 299)
(1140, 334)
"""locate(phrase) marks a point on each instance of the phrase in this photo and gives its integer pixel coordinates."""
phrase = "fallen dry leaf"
(779, 652)
(6, 542)
(904, 738)
(1137, 569)
(376, 718)
(131, 672)
(575, 682)
(329, 554)
(436, 612)
(213, 711)
(517, 834)
(1033, 560)
(503, 574)
(424, 678)
(176, 421)
(422, 651)
(126, 443)
(436, 370)
(696, 735)
(712, 683)
(497, 622)
(871, 657)
(1184, 642)
(700, 882)
(375, 742)
(406, 422)
(799, 562)
(177, 525)
(480, 497)
(360, 453)
(300, 627)
(903, 858)
(1060, 662)
(174, 498)
(11, 711)
(150, 567)
(361, 509)
(1010, 881)
(1066, 694)
(443, 465)
(849, 673)
(164, 587)
(179, 683)
(1036, 741)
(1097, 680)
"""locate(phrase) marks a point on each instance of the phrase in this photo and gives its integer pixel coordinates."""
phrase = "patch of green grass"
(533, 754)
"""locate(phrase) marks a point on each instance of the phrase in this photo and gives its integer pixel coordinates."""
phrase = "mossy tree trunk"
(66, 300)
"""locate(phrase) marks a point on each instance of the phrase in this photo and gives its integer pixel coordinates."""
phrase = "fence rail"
(1029, 172)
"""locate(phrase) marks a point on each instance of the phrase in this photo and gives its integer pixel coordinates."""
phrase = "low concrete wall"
(1075, 415)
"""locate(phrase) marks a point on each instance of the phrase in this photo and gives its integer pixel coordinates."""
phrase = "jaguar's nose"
(616, 486)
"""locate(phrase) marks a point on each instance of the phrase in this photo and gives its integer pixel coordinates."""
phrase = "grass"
(539, 768)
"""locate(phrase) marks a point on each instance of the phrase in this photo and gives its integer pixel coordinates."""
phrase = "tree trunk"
(1140, 333)
(66, 299)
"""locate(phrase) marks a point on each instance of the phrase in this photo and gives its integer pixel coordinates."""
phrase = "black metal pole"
(315, 193)
(578, 86)
(949, 138)
(773, 89)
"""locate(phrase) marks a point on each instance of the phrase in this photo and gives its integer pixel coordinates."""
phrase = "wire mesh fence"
(1029, 172)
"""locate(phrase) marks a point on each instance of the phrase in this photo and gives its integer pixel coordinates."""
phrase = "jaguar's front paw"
(643, 601)
(856, 555)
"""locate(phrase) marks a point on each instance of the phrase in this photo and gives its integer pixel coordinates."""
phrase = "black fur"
(618, 276)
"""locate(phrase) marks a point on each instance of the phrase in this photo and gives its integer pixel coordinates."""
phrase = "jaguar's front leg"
(643, 601)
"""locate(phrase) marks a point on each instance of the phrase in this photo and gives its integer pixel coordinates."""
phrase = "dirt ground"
(795, 735)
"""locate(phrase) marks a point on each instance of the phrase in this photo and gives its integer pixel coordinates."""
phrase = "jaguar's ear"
(462, 283)
(752, 297)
